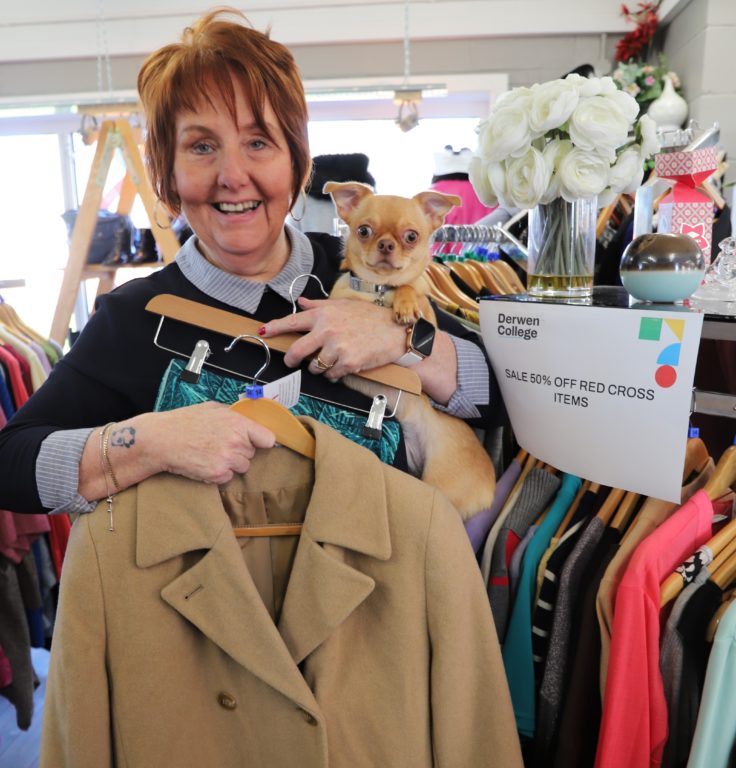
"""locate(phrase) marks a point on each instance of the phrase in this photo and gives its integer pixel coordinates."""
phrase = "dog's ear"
(436, 205)
(346, 195)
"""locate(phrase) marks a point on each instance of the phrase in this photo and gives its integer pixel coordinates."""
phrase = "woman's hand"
(349, 336)
(208, 442)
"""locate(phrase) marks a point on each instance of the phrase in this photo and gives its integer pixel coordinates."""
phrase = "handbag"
(112, 237)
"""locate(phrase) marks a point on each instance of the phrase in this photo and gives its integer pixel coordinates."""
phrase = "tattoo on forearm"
(124, 438)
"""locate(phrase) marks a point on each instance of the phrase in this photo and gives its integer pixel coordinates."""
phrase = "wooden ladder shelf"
(114, 134)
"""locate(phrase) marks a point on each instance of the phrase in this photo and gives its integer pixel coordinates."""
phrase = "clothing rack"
(478, 234)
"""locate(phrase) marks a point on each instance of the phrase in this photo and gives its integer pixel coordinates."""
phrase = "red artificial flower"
(645, 18)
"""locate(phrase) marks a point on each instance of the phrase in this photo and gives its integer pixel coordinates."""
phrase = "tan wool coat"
(365, 642)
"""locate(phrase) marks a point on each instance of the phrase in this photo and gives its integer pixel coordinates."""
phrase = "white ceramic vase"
(670, 109)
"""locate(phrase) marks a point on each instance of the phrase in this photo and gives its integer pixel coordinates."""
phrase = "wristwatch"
(419, 341)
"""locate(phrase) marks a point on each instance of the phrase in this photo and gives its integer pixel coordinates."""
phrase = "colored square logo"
(650, 328)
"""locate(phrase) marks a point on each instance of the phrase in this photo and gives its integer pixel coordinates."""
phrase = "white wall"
(700, 48)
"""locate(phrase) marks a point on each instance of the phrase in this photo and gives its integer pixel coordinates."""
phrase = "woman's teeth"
(236, 207)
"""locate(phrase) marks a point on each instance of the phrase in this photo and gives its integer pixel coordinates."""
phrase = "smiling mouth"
(236, 207)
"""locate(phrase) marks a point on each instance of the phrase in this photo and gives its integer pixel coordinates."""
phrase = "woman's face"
(235, 184)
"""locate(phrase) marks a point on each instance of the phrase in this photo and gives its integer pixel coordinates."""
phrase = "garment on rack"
(714, 740)
(634, 723)
(550, 569)
(652, 514)
(516, 560)
(15, 641)
(538, 488)
(553, 688)
(581, 716)
(477, 527)
(686, 677)
(277, 652)
(517, 646)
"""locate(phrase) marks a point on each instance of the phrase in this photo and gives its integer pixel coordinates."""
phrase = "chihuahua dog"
(386, 253)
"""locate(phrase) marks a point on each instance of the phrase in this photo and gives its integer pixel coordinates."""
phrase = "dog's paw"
(406, 313)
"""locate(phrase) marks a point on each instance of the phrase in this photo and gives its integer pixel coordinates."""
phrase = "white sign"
(601, 393)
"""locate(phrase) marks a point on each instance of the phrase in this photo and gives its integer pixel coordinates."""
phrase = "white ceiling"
(53, 51)
(63, 29)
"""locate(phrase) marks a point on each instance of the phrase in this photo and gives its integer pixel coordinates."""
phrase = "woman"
(227, 146)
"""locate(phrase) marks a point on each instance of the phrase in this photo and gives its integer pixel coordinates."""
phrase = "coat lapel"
(347, 512)
(217, 594)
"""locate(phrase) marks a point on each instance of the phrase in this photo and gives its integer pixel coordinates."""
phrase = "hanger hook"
(291, 289)
(232, 344)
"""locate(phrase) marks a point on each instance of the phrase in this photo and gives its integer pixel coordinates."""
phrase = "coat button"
(308, 717)
(226, 701)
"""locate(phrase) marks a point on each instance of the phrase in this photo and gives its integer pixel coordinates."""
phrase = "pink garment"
(634, 723)
(16, 386)
(472, 209)
(6, 671)
(18, 532)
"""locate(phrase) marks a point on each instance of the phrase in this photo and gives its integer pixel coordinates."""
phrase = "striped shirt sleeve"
(57, 471)
(473, 381)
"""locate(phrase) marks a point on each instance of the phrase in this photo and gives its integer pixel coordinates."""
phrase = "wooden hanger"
(723, 567)
(696, 457)
(443, 280)
(609, 506)
(728, 598)
(724, 475)
(573, 508)
(232, 325)
(718, 486)
(466, 272)
(291, 433)
(512, 279)
(625, 511)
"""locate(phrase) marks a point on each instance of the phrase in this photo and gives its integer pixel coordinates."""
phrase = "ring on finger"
(322, 365)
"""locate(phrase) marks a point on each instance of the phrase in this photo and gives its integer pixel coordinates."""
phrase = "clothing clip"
(194, 367)
(373, 427)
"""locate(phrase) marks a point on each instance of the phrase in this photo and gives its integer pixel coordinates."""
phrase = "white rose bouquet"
(571, 138)
(564, 140)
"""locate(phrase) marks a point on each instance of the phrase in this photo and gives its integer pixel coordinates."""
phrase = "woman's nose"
(233, 172)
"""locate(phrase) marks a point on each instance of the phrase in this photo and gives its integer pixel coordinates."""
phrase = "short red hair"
(213, 53)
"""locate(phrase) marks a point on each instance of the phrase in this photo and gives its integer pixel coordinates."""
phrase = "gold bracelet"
(107, 466)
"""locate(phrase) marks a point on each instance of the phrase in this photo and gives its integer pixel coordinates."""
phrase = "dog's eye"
(364, 231)
(410, 236)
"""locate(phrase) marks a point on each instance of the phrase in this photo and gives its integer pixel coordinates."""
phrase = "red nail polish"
(262, 330)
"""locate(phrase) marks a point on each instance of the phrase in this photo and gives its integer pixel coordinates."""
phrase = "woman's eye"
(257, 144)
(410, 236)
(364, 231)
(201, 148)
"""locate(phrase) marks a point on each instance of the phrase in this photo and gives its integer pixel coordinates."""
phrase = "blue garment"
(517, 647)
(174, 392)
(715, 732)
(6, 402)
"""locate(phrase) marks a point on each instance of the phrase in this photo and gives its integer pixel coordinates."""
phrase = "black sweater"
(113, 371)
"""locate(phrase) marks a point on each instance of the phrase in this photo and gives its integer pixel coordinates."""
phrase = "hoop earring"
(155, 217)
(303, 197)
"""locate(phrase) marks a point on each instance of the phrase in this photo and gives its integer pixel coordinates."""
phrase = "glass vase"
(562, 248)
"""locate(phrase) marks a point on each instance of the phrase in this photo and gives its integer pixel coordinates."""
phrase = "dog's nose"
(386, 246)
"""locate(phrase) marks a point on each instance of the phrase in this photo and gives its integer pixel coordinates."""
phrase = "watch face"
(422, 338)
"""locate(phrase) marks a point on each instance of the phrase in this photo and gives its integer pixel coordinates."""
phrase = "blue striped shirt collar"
(238, 291)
